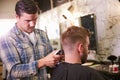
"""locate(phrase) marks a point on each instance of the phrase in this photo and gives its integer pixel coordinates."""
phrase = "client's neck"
(73, 58)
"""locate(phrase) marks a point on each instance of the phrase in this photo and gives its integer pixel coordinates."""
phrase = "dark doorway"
(88, 21)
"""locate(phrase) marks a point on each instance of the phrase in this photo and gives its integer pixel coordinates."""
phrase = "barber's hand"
(50, 60)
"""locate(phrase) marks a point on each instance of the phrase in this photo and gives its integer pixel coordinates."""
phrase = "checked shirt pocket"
(25, 52)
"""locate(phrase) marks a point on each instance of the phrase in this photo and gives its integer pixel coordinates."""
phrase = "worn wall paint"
(107, 21)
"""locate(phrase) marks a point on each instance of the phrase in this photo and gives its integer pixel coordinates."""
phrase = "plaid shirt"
(20, 56)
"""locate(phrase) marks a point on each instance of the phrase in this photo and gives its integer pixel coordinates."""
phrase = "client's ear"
(80, 47)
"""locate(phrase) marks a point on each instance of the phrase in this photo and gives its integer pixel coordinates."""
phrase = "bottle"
(115, 68)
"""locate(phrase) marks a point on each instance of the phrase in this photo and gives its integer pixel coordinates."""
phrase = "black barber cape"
(66, 71)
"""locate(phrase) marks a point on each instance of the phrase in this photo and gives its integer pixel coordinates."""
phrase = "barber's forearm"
(41, 63)
(23, 70)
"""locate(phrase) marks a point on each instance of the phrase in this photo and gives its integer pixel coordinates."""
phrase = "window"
(6, 25)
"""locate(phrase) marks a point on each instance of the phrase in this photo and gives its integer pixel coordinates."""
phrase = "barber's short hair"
(26, 6)
(74, 34)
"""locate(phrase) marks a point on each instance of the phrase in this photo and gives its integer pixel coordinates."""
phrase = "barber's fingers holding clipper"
(50, 60)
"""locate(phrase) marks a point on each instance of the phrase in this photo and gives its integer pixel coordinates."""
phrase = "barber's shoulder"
(39, 31)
